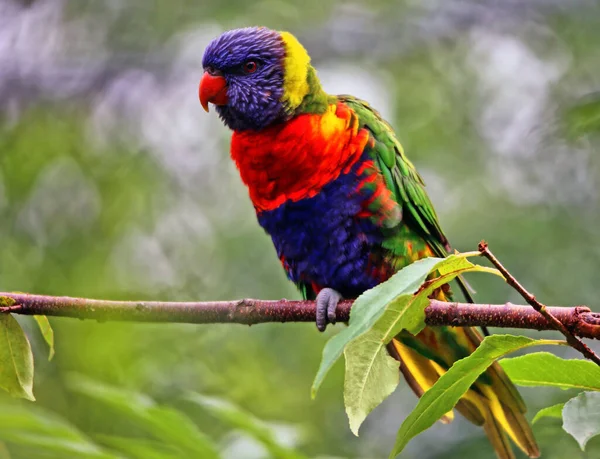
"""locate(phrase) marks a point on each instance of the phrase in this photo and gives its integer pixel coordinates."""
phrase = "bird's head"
(255, 77)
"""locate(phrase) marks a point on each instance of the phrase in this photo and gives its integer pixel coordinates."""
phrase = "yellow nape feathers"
(296, 62)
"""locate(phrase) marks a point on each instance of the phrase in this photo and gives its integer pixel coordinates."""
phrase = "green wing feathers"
(400, 176)
(404, 181)
(492, 402)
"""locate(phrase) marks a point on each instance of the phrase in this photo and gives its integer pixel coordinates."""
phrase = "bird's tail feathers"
(492, 402)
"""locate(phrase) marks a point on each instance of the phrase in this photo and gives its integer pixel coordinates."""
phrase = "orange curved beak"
(213, 89)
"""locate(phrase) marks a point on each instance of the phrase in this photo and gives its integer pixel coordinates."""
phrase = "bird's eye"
(250, 67)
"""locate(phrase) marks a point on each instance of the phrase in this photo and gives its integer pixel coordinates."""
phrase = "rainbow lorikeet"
(344, 206)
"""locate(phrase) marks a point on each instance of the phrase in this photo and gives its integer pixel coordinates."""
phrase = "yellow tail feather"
(496, 406)
(420, 373)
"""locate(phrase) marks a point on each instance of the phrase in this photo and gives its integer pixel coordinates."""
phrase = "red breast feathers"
(294, 160)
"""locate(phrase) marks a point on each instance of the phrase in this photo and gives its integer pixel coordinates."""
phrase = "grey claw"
(327, 301)
(331, 308)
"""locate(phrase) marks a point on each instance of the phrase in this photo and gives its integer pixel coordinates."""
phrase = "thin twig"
(539, 307)
(17, 309)
(580, 320)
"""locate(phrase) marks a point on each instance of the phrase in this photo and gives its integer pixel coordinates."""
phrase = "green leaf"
(584, 117)
(392, 294)
(165, 423)
(240, 419)
(554, 411)
(581, 417)
(47, 333)
(369, 306)
(6, 301)
(369, 379)
(371, 375)
(546, 369)
(446, 392)
(32, 427)
(16, 359)
(137, 448)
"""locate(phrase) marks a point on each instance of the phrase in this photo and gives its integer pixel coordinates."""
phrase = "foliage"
(446, 392)
(371, 374)
(554, 411)
(47, 333)
(235, 417)
(175, 430)
(545, 369)
(581, 417)
(376, 317)
(115, 184)
(584, 117)
(16, 359)
(404, 297)
(42, 432)
(165, 432)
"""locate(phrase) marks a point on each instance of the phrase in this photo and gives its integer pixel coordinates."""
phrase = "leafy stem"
(574, 341)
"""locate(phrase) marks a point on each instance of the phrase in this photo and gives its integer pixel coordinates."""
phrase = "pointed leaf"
(16, 359)
(394, 294)
(165, 423)
(369, 306)
(581, 417)
(47, 333)
(137, 448)
(409, 314)
(369, 374)
(446, 392)
(32, 427)
(238, 418)
(369, 380)
(546, 369)
(554, 411)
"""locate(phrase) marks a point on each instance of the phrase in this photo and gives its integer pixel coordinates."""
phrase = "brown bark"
(578, 320)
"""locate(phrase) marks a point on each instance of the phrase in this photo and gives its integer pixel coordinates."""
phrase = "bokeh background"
(115, 184)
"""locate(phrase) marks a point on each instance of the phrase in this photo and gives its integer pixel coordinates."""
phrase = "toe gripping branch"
(327, 301)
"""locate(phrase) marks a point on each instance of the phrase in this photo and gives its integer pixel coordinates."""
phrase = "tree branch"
(541, 309)
(578, 320)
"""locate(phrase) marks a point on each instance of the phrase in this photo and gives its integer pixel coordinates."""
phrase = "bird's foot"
(327, 301)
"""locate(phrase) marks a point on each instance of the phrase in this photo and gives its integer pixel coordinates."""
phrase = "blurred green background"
(115, 184)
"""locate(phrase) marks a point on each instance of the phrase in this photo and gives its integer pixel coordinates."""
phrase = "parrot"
(344, 206)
